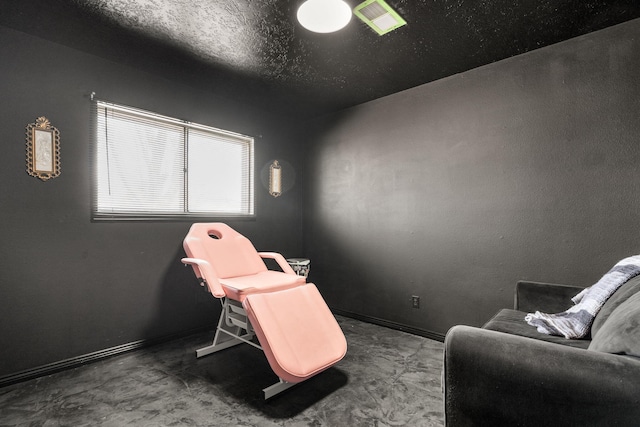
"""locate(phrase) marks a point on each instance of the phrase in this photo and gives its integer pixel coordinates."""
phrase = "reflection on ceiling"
(232, 33)
(257, 52)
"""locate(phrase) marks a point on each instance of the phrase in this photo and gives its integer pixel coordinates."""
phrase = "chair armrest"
(204, 270)
(545, 297)
(282, 263)
(493, 378)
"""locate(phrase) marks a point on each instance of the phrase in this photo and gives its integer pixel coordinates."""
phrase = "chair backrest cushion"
(229, 252)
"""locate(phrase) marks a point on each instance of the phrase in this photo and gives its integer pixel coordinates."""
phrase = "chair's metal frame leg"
(277, 388)
(233, 321)
(228, 334)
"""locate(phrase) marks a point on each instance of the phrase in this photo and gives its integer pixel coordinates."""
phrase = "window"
(149, 166)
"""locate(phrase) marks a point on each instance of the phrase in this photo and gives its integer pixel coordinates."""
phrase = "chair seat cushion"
(237, 288)
(297, 331)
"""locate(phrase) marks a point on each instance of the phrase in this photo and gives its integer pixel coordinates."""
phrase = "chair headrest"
(230, 253)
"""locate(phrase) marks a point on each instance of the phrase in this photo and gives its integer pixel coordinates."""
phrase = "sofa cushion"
(619, 333)
(512, 322)
(620, 296)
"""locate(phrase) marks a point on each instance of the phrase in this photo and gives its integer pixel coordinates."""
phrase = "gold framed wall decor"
(43, 149)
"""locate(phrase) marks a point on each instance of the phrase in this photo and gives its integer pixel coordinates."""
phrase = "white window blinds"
(148, 165)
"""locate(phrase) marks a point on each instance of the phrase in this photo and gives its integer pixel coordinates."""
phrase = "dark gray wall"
(70, 286)
(523, 169)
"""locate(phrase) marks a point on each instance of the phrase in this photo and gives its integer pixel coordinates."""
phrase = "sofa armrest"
(493, 378)
(545, 297)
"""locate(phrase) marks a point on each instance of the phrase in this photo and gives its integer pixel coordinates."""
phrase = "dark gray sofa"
(508, 374)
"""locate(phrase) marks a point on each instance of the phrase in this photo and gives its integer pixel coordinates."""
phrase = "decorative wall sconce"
(275, 179)
(43, 149)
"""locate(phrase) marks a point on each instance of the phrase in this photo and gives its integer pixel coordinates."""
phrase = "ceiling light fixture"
(324, 16)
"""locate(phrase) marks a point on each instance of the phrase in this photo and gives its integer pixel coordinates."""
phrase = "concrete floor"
(387, 378)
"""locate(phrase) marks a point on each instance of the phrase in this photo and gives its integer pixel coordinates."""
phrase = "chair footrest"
(297, 331)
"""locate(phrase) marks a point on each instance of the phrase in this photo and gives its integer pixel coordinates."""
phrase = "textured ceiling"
(254, 50)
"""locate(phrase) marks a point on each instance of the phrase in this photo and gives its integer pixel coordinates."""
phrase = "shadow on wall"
(350, 282)
(374, 274)
(181, 304)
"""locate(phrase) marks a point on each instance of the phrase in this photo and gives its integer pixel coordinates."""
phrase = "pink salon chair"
(293, 325)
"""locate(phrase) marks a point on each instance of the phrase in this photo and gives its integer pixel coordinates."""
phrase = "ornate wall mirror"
(43, 149)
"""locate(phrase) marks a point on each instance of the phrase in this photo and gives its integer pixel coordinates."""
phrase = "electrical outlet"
(415, 301)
